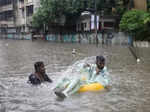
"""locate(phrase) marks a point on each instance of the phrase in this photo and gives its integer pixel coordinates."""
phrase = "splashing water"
(130, 81)
(76, 70)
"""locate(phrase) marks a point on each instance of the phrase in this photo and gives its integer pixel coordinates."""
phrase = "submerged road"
(130, 81)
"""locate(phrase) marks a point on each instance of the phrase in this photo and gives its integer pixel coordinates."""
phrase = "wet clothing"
(33, 79)
(68, 85)
(101, 77)
(71, 86)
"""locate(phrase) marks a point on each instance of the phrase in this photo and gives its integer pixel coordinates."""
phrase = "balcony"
(8, 23)
(21, 5)
(6, 8)
(29, 2)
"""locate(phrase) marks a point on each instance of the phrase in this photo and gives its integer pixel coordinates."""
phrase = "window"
(29, 10)
(22, 12)
(6, 16)
(108, 24)
(5, 2)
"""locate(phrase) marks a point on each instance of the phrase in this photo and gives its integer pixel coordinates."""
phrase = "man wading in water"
(39, 76)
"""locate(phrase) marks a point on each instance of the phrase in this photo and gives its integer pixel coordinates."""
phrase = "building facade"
(25, 10)
(107, 22)
(87, 23)
(16, 15)
(7, 15)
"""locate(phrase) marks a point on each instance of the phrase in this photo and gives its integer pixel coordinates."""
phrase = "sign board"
(93, 22)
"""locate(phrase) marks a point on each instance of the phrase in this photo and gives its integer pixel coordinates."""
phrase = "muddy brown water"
(130, 81)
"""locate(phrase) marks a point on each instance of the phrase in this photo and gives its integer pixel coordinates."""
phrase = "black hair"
(37, 65)
(100, 59)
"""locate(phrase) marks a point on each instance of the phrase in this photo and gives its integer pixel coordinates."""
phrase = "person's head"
(100, 62)
(39, 67)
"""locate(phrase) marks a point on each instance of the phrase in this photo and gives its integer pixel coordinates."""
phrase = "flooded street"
(130, 81)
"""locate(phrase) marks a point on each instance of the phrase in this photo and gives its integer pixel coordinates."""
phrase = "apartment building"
(25, 10)
(7, 14)
(16, 15)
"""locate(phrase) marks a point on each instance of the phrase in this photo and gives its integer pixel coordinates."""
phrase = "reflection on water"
(130, 90)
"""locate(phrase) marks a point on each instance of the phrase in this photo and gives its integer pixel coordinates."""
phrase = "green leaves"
(67, 11)
(51, 11)
(134, 21)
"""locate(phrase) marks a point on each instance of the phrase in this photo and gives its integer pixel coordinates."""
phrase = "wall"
(118, 38)
(140, 4)
(16, 36)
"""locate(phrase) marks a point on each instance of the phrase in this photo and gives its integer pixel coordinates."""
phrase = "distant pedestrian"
(103, 37)
(109, 38)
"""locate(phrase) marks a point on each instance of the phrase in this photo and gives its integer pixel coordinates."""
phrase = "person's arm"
(107, 80)
(105, 73)
(86, 65)
(93, 72)
(105, 77)
(84, 71)
(46, 78)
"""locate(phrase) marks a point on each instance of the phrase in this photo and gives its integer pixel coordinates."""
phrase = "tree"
(135, 22)
(52, 11)
(38, 19)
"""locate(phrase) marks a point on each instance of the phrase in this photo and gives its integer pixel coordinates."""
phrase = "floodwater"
(130, 82)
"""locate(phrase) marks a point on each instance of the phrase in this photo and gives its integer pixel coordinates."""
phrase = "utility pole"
(25, 15)
(95, 19)
(95, 22)
(102, 26)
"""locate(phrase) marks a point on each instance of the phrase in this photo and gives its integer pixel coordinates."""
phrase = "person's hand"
(108, 87)
(86, 65)
(97, 70)
(83, 78)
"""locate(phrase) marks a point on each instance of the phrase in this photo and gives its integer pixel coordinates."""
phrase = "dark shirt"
(33, 79)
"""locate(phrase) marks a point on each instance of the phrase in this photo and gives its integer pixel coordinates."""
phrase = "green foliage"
(67, 11)
(135, 22)
(37, 18)
(122, 6)
(52, 11)
(120, 10)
